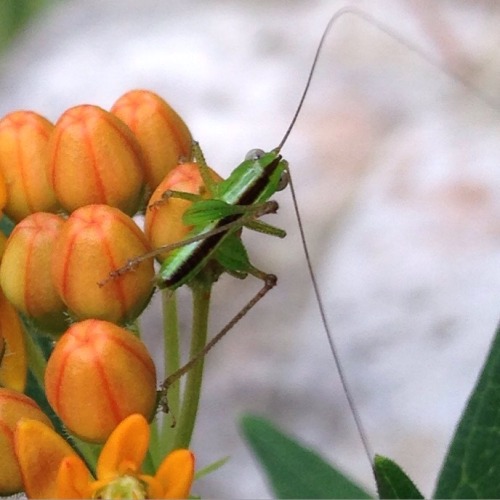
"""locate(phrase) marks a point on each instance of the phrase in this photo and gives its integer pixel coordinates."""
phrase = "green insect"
(235, 202)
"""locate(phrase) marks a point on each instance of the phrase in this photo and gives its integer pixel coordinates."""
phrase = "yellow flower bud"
(162, 134)
(14, 406)
(24, 137)
(94, 241)
(163, 222)
(25, 274)
(95, 158)
(97, 375)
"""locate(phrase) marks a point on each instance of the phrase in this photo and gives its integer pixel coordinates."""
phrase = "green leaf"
(6, 225)
(293, 470)
(209, 469)
(392, 481)
(14, 14)
(472, 466)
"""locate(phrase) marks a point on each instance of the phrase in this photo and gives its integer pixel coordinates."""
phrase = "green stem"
(148, 465)
(172, 359)
(191, 398)
(89, 451)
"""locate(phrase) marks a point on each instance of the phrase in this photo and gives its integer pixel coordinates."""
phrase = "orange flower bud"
(95, 158)
(97, 375)
(162, 134)
(24, 137)
(14, 406)
(94, 241)
(25, 274)
(163, 222)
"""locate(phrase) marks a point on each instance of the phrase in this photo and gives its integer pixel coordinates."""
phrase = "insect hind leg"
(270, 281)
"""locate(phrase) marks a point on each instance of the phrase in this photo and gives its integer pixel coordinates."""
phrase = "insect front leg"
(169, 193)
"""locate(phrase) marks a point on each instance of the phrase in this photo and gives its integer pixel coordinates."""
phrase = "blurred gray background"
(398, 175)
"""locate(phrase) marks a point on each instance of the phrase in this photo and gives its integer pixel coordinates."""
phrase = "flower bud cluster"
(72, 188)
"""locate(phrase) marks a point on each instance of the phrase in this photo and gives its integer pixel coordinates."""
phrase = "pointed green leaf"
(392, 481)
(214, 466)
(293, 470)
(472, 466)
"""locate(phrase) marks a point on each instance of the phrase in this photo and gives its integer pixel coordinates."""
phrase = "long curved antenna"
(490, 101)
(338, 364)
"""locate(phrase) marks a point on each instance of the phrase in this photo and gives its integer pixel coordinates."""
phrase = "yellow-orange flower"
(14, 407)
(3, 202)
(163, 222)
(118, 468)
(95, 240)
(13, 362)
(13, 359)
(162, 134)
(25, 274)
(24, 161)
(98, 374)
(95, 158)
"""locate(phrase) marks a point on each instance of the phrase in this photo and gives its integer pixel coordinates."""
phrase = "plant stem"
(36, 359)
(172, 363)
(148, 465)
(187, 417)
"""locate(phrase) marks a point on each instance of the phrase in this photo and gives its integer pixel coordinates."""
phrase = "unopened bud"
(94, 241)
(95, 158)
(24, 137)
(25, 271)
(97, 375)
(163, 136)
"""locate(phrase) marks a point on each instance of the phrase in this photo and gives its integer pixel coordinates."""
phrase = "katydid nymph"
(235, 225)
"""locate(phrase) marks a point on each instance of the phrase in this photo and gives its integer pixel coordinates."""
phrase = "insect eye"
(254, 154)
(284, 180)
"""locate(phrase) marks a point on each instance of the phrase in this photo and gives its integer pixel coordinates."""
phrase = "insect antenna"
(454, 75)
(490, 101)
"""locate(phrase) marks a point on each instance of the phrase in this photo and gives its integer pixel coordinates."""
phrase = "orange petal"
(14, 363)
(154, 487)
(73, 479)
(40, 451)
(3, 193)
(125, 448)
(3, 238)
(176, 474)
